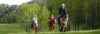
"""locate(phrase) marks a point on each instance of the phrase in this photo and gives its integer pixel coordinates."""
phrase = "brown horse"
(51, 25)
(63, 23)
(34, 27)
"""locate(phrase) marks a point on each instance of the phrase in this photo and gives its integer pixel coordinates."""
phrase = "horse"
(34, 27)
(63, 22)
(51, 25)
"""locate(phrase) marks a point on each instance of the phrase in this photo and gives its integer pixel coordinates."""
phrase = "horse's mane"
(63, 19)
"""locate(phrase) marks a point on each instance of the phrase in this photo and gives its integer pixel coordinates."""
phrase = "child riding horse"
(34, 25)
(52, 23)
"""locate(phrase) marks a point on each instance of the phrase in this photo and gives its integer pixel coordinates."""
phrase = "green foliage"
(3, 7)
(46, 15)
(28, 11)
(82, 13)
(8, 14)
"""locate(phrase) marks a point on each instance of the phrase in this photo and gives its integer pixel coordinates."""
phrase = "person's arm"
(64, 10)
(60, 11)
(36, 19)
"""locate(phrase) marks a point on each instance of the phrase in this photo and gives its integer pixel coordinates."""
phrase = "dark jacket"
(62, 11)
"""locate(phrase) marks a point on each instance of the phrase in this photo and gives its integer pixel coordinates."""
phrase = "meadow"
(18, 29)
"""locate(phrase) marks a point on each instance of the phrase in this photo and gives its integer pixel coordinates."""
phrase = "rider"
(52, 17)
(52, 23)
(35, 20)
(61, 11)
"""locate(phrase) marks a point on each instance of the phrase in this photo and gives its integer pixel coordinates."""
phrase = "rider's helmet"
(52, 17)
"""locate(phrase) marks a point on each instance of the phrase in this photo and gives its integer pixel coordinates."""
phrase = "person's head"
(63, 5)
(35, 16)
(51, 14)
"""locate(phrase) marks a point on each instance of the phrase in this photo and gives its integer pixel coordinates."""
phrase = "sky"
(13, 2)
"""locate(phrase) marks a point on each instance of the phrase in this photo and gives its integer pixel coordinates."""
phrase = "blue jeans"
(58, 18)
(32, 22)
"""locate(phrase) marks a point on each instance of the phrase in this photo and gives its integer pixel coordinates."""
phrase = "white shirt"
(35, 20)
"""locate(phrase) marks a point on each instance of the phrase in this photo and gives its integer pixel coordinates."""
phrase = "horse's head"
(64, 18)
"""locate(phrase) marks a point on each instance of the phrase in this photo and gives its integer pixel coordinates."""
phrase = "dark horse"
(63, 22)
(51, 25)
(34, 27)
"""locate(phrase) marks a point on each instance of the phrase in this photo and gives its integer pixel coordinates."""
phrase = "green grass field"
(17, 29)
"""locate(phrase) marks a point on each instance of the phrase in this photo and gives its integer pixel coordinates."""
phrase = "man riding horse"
(62, 19)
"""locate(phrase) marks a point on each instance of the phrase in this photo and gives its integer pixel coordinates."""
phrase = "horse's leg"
(33, 28)
(49, 26)
(65, 25)
(36, 28)
(50, 29)
(61, 29)
(65, 29)
(53, 26)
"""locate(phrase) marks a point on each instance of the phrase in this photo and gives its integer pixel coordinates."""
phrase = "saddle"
(51, 23)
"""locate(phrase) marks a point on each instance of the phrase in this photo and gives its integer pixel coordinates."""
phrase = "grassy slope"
(17, 29)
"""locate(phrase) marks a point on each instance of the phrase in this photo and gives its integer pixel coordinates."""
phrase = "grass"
(10, 28)
(17, 29)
